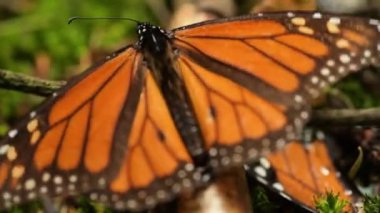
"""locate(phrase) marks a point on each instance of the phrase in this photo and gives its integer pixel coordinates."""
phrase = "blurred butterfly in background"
(167, 113)
(302, 172)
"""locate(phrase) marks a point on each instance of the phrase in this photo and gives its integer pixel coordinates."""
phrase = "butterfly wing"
(156, 164)
(68, 140)
(302, 173)
(250, 79)
(108, 133)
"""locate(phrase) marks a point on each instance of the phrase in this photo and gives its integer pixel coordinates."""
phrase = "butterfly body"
(165, 114)
(160, 56)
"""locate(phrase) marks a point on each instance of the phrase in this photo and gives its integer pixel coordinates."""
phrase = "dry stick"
(346, 117)
(27, 84)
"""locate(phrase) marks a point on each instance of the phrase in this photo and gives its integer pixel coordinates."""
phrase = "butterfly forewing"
(283, 60)
(66, 146)
(286, 52)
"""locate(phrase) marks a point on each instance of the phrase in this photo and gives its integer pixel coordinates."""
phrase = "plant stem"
(27, 84)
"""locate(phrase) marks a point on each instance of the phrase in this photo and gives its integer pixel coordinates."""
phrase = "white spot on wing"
(334, 20)
(213, 152)
(290, 14)
(58, 180)
(298, 98)
(344, 58)
(278, 186)
(6, 196)
(330, 63)
(4, 149)
(325, 171)
(12, 133)
(314, 80)
(262, 180)
(332, 79)
(265, 163)
(31, 195)
(189, 167)
(367, 53)
(45, 177)
(285, 196)
(30, 184)
(16, 199)
(43, 189)
(325, 71)
(73, 178)
(348, 192)
(32, 114)
(304, 115)
(374, 22)
(102, 181)
(259, 170)
(317, 15)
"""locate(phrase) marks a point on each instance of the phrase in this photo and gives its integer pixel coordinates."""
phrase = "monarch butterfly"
(163, 115)
(302, 172)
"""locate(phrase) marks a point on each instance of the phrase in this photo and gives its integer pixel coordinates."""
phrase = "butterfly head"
(152, 38)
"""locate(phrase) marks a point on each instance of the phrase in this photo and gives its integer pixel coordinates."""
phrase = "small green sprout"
(371, 204)
(330, 203)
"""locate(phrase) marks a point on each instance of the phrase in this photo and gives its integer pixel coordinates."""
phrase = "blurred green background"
(35, 39)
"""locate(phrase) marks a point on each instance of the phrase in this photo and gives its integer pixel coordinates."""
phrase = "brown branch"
(27, 84)
(346, 117)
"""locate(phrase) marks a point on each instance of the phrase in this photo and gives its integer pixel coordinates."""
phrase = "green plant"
(371, 204)
(330, 203)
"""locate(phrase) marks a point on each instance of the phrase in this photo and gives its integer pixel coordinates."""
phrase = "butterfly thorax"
(152, 39)
(160, 57)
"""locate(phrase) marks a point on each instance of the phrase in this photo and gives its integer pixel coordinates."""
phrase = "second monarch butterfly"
(162, 115)
(302, 172)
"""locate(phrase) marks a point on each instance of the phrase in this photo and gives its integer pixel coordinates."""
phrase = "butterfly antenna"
(72, 19)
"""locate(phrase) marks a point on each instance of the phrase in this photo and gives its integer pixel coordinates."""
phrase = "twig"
(346, 117)
(28, 84)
